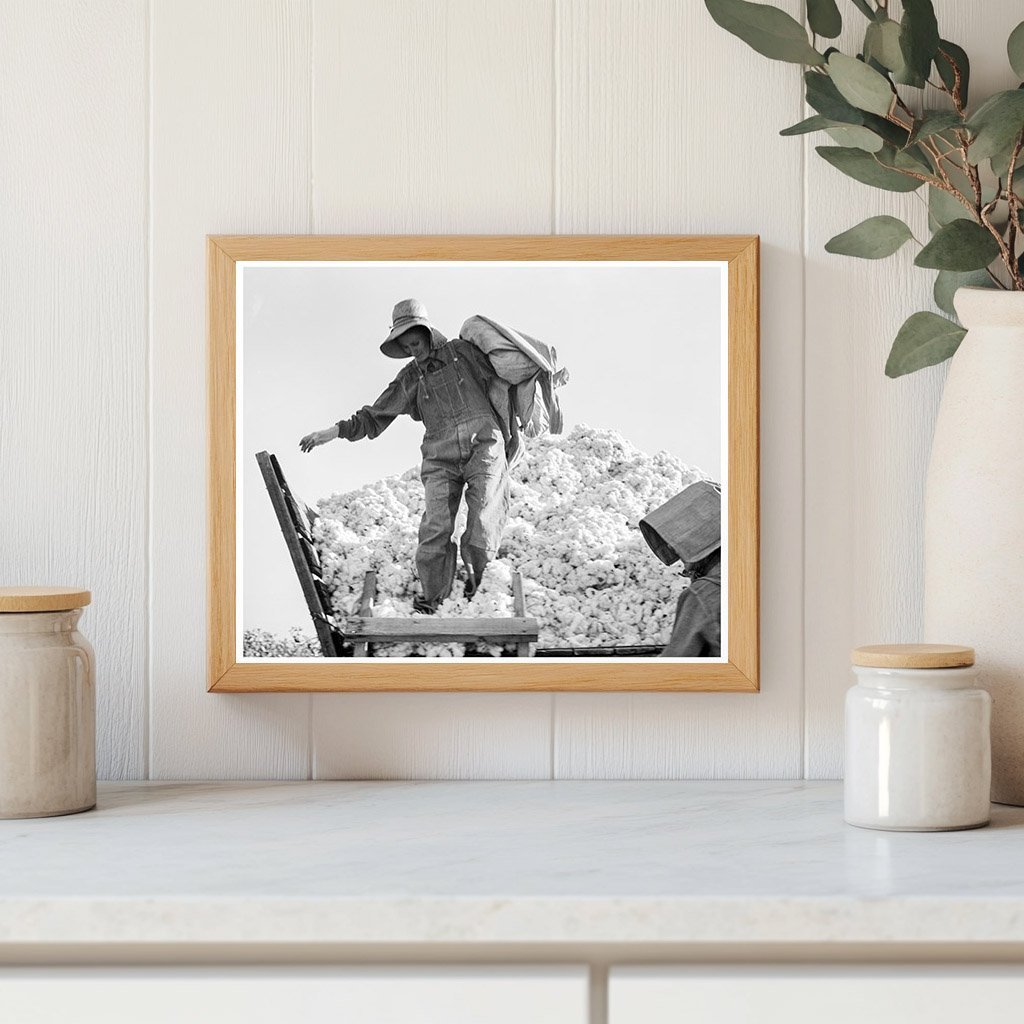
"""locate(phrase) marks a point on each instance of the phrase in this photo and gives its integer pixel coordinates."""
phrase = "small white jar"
(918, 748)
(47, 704)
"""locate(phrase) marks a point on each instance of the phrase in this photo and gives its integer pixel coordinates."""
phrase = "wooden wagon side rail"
(365, 628)
(436, 630)
(294, 521)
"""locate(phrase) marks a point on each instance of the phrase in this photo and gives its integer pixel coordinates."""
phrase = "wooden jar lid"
(913, 656)
(42, 599)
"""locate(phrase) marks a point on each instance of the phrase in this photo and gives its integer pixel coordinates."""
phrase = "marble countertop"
(500, 862)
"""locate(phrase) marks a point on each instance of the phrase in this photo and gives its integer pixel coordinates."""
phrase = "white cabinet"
(279, 995)
(812, 995)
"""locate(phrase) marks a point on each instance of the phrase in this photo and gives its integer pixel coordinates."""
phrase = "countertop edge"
(465, 919)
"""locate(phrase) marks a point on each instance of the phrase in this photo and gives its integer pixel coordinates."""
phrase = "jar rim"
(18, 600)
(911, 656)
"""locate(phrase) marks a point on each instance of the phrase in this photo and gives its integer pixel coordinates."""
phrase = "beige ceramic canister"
(47, 704)
(918, 747)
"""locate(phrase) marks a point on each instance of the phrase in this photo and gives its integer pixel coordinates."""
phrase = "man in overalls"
(445, 387)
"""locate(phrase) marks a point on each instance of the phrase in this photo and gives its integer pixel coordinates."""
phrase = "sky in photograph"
(642, 345)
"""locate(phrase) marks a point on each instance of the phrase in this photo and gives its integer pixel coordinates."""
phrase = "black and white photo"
(536, 447)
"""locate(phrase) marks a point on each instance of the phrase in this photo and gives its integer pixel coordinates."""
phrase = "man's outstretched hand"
(317, 438)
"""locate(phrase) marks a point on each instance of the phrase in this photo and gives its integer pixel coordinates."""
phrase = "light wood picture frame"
(229, 671)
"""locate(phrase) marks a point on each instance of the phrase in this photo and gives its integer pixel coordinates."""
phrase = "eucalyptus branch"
(1004, 252)
(954, 93)
(1014, 207)
(928, 146)
(974, 178)
(934, 182)
(965, 236)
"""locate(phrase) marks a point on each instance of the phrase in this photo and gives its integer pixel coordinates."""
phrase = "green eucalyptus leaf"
(919, 36)
(860, 85)
(808, 125)
(866, 168)
(872, 239)
(912, 159)
(959, 245)
(949, 55)
(882, 44)
(856, 137)
(825, 98)
(906, 76)
(1001, 161)
(948, 281)
(892, 133)
(934, 122)
(924, 340)
(944, 208)
(996, 125)
(1015, 50)
(864, 7)
(769, 31)
(824, 18)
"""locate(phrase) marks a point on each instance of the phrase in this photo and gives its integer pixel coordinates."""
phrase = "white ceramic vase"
(974, 518)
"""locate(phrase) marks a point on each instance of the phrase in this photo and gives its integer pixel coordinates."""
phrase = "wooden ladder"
(295, 520)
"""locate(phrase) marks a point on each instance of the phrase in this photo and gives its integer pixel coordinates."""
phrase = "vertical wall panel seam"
(310, 68)
(804, 225)
(556, 220)
(147, 707)
(310, 221)
(556, 196)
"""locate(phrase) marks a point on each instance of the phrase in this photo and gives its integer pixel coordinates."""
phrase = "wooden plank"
(636, 651)
(309, 554)
(435, 630)
(295, 507)
(518, 600)
(229, 150)
(366, 600)
(324, 595)
(74, 437)
(519, 610)
(318, 613)
(369, 594)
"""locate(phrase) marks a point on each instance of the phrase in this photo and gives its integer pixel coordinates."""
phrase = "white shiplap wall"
(130, 130)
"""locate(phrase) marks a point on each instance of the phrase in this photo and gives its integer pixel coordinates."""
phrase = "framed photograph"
(483, 463)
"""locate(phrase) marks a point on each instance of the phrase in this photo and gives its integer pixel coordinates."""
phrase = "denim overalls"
(463, 447)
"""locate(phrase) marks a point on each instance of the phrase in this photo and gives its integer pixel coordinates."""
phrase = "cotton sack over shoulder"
(529, 367)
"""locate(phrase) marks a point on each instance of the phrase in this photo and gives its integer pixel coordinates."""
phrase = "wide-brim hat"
(409, 313)
(688, 526)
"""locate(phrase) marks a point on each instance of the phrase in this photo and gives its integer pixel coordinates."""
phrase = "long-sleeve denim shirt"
(697, 632)
(402, 395)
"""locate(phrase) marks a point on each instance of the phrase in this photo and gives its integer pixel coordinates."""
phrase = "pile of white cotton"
(588, 576)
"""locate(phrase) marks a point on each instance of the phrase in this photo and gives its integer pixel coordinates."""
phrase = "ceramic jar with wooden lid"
(47, 704)
(918, 748)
